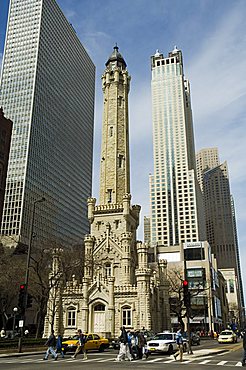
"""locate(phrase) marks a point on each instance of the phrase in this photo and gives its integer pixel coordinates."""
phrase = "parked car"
(227, 336)
(164, 342)
(93, 342)
(195, 339)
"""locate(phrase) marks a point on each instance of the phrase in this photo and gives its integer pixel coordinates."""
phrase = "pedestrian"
(141, 345)
(134, 342)
(59, 348)
(51, 343)
(124, 348)
(179, 341)
(81, 345)
(244, 348)
(129, 342)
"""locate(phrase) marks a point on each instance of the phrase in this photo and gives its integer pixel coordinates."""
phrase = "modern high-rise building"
(5, 139)
(47, 90)
(176, 201)
(205, 160)
(221, 223)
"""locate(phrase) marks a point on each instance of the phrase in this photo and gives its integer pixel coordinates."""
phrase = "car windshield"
(226, 333)
(163, 337)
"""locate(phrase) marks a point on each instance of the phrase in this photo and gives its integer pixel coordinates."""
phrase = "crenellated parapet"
(109, 208)
(136, 211)
(91, 202)
(142, 272)
(125, 289)
(73, 287)
(126, 236)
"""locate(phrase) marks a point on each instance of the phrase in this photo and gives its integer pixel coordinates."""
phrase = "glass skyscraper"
(176, 201)
(47, 90)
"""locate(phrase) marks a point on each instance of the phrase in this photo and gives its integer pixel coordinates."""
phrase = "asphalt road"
(204, 358)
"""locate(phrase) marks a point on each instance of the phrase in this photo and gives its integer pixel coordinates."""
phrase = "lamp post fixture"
(28, 268)
(15, 310)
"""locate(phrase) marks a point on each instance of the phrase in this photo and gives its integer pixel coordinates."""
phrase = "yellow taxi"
(93, 342)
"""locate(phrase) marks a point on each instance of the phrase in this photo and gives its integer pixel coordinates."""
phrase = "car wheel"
(101, 348)
(170, 350)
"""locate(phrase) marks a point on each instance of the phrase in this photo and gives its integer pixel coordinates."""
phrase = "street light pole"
(28, 268)
(15, 310)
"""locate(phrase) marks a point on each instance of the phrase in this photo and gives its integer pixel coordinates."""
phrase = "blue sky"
(212, 37)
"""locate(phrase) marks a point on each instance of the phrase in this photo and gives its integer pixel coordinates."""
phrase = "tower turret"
(115, 170)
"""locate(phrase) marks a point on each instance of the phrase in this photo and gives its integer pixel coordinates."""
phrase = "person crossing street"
(244, 348)
(179, 341)
(81, 345)
(51, 343)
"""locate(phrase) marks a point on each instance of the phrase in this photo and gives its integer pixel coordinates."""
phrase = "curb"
(22, 354)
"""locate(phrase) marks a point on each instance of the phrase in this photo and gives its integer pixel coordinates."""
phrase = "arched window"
(126, 316)
(71, 317)
(99, 307)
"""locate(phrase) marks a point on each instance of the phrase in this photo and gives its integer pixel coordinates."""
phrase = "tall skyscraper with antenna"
(175, 197)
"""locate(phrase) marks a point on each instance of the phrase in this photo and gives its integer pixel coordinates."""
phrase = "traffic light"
(29, 301)
(22, 297)
(186, 293)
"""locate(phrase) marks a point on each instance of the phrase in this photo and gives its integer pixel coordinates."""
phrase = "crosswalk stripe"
(204, 362)
(239, 364)
(155, 360)
(92, 359)
(168, 362)
(221, 363)
(107, 360)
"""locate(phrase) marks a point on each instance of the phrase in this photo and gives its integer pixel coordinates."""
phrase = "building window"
(121, 161)
(111, 131)
(226, 288)
(108, 270)
(120, 101)
(109, 195)
(71, 317)
(99, 307)
(231, 286)
(126, 316)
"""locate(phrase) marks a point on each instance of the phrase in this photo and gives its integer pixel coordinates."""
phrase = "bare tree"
(12, 269)
(45, 280)
(177, 306)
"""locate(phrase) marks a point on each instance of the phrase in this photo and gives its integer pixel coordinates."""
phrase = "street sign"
(21, 323)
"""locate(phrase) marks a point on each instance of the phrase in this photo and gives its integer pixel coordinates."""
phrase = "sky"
(212, 37)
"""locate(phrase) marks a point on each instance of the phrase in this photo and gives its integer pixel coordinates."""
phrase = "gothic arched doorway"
(99, 318)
